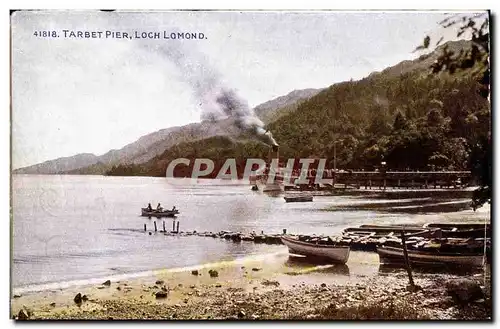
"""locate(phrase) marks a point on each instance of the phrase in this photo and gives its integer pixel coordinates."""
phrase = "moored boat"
(303, 198)
(333, 252)
(163, 213)
(395, 255)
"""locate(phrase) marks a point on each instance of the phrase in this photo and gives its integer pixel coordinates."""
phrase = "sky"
(75, 95)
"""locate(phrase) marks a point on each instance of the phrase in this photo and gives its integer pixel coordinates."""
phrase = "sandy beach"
(277, 286)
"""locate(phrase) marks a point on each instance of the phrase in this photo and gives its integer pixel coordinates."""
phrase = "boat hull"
(168, 213)
(336, 254)
(299, 199)
(393, 255)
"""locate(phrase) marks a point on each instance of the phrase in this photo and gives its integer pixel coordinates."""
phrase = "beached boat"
(334, 253)
(395, 255)
(154, 213)
(303, 198)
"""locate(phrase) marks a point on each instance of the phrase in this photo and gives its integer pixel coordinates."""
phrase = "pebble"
(78, 298)
(22, 315)
(161, 294)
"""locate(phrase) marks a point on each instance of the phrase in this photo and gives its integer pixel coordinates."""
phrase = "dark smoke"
(217, 101)
(244, 117)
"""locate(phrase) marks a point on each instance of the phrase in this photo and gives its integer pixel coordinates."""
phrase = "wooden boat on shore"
(395, 255)
(158, 214)
(302, 198)
(334, 253)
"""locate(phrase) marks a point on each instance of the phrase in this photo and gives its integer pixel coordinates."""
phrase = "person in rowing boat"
(149, 208)
(173, 209)
(159, 208)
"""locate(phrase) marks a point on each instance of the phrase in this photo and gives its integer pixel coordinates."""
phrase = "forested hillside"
(413, 120)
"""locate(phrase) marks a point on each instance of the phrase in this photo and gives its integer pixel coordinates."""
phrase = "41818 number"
(46, 34)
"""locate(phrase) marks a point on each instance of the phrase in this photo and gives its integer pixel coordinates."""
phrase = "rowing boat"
(154, 213)
(335, 253)
(395, 255)
(304, 198)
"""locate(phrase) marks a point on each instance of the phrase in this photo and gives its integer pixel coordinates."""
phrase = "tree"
(399, 122)
(475, 60)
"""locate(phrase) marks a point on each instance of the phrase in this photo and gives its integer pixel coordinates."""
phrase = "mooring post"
(144, 227)
(164, 230)
(407, 260)
(173, 225)
(155, 227)
(177, 231)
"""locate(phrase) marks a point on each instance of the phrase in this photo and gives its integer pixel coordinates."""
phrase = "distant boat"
(273, 187)
(334, 253)
(303, 198)
(154, 213)
(395, 255)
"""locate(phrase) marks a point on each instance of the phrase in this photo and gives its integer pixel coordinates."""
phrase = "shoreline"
(277, 286)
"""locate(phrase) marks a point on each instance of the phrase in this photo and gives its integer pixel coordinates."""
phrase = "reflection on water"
(411, 206)
(78, 227)
(429, 268)
(297, 265)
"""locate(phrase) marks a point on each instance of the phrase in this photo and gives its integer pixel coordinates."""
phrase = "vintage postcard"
(250, 165)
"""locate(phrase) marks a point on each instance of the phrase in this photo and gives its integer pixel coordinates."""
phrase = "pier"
(391, 179)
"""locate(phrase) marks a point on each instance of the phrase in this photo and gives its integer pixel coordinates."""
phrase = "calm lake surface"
(68, 228)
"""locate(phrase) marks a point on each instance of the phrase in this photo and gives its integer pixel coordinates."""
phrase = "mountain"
(275, 108)
(60, 164)
(154, 144)
(424, 62)
(404, 116)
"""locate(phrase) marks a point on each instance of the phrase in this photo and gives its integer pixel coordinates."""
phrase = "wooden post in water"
(155, 227)
(173, 225)
(144, 227)
(407, 260)
(177, 231)
(164, 229)
(284, 231)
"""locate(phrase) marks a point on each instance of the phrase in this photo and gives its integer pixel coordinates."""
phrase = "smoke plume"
(216, 100)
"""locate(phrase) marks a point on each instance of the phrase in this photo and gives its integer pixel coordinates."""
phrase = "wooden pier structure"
(395, 179)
